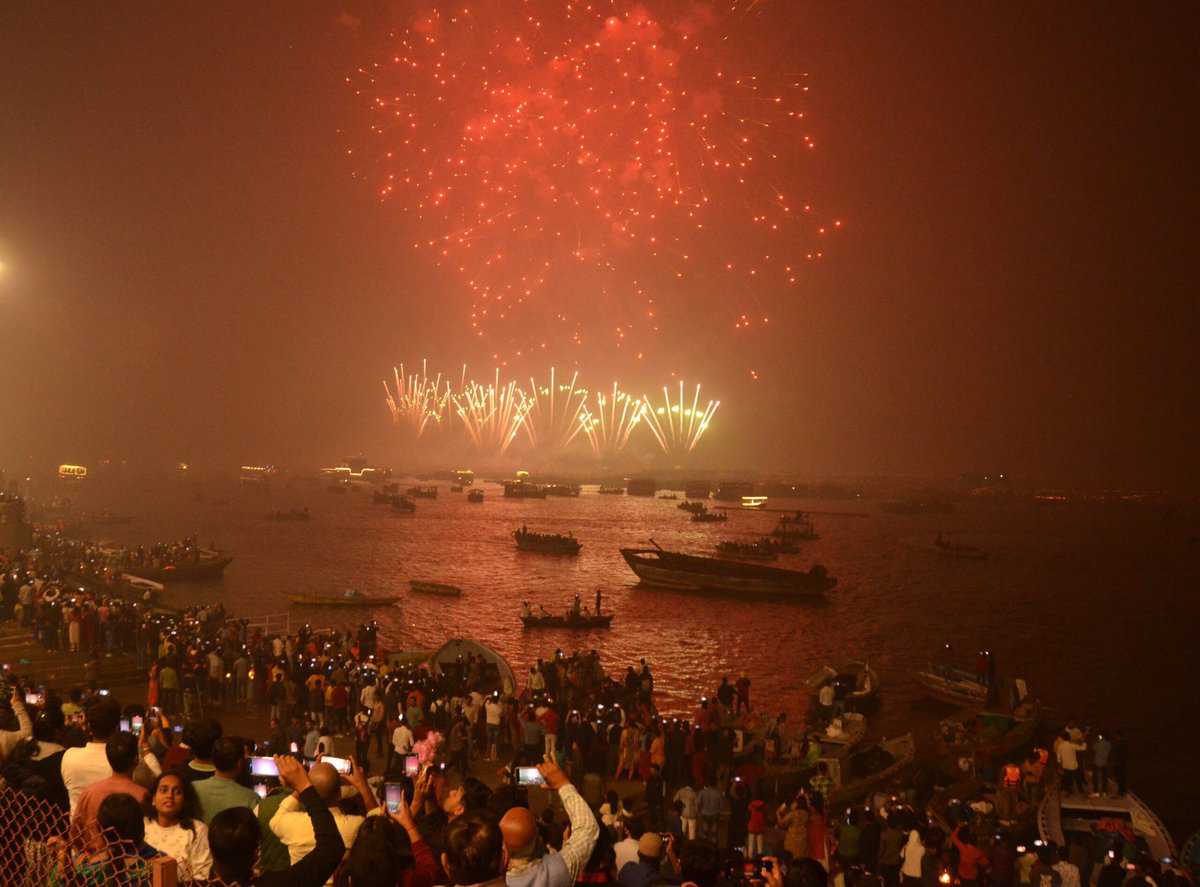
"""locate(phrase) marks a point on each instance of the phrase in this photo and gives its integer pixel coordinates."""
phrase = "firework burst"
(492, 414)
(418, 401)
(554, 412)
(581, 169)
(678, 425)
(610, 424)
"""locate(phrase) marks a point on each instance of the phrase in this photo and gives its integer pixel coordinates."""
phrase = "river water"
(1095, 606)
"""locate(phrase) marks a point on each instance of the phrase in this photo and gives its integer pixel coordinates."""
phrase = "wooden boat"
(1060, 816)
(612, 491)
(754, 501)
(422, 492)
(347, 599)
(709, 517)
(563, 490)
(456, 488)
(688, 572)
(795, 528)
(210, 566)
(668, 496)
(855, 684)
(439, 588)
(402, 505)
(987, 735)
(841, 735)
(953, 685)
(864, 770)
(546, 543)
(693, 507)
(604, 620)
(475, 496)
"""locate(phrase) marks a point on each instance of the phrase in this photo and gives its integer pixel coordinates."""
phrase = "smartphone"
(295, 748)
(392, 793)
(341, 765)
(135, 725)
(261, 765)
(124, 725)
(178, 728)
(34, 699)
(412, 766)
(260, 789)
(103, 692)
(529, 776)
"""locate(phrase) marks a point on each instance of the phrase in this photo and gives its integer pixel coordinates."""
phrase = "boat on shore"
(604, 620)
(855, 684)
(475, 496)
(955, 686)
(349, 598)
(546, 543)
(689, 572)
(1060, 817)
(439, 588)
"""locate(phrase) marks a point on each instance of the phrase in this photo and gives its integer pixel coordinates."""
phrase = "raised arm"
(584, 830)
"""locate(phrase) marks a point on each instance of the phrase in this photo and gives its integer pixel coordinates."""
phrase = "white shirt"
(626, 852)
(402, 739)
(82, 767)
(366, 698)
(187, 847)
(1065, 752)
(494, 711)
(1069, 873)
(293, 826)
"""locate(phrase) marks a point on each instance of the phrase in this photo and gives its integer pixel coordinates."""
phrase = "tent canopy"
(455, 648)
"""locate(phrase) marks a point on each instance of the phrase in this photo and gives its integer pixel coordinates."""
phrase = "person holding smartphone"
(520, 832)
(293, 826)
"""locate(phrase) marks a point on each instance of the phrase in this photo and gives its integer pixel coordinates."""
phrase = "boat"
(519, 489)
(864, 770)
(210, 565)
(403, 505)
(1060, 816)
(709, 517)
(641, 486)
(754, 501)
(385, 494)
(956, 686)
(422, 492)
(604, 620)
(439, 588)
(475, 496)
(795, 528)
(348, 598)
(546, 543)
(689, 572)
(855, 684)
(294, 514)
(693, 507)
(842, 734)
(456, 488)
(612, 491)
(668, 496)
(958, 550)
(746, 550)
(563, 490)
(987, 735)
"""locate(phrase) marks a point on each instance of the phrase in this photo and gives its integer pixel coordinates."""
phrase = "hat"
(650, 845)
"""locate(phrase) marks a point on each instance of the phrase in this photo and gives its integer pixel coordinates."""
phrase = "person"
(1006, 794)
(1043, 873)
(494, 713)
(10, 738)
(520, 834)
(612, 812)
(223, 790)
(388, 851)
(891, 841)
(912, 855)
(708, 805)
(756, 827)
(121, 752)
(687, 796)
(1068, 872)
(173, 827)
(1066, 751)
(647, 869)
(474, 851)
(849, 837)
(625, 851)
(821, 782)
(1101, 754)
(124, 855)
(970, 858)
(295, 829)
(81, 767)
(233, 838)
(793, 819)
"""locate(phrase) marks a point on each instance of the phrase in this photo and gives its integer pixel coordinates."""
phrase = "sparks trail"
(571, 166)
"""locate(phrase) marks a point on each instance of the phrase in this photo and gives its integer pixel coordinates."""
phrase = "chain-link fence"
(39, 846)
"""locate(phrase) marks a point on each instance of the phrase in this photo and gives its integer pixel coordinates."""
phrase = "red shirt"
(93, 796)
(758, 818)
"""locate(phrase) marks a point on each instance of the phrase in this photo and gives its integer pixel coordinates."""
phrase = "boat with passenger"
(855, 684)
(693, 507)
(403, 505)
(546, 543)
(577, 616)
(1062, 817)
(795, 528)
(563, 490)
(709, 517)
(612, 491)
(755, 551)
(475, 496)
(688, 572)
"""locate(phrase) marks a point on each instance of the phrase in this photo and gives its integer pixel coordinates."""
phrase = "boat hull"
(953, 692)
(690, 573)
(205, 569)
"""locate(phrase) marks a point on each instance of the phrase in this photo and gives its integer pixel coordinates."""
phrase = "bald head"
(520, 832)
(326, 781)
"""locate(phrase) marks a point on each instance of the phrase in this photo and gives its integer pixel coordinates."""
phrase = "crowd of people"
(463, 774)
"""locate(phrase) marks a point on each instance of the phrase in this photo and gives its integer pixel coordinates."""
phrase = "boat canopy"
(456, 648)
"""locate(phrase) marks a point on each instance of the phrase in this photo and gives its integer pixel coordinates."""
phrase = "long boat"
(953, 685)
(439, 588)
(1060, 815)
(689, 572)
(546, 543)
(602, 621)
(341, 600)
(210, 566)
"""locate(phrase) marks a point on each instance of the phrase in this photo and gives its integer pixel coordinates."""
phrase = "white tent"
(456, 648)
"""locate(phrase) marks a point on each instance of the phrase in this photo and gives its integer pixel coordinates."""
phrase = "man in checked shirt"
(529, 865)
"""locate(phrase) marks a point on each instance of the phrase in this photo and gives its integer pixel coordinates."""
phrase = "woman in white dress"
(173, 825)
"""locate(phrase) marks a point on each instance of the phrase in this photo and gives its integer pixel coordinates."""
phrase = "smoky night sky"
(194, 266)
